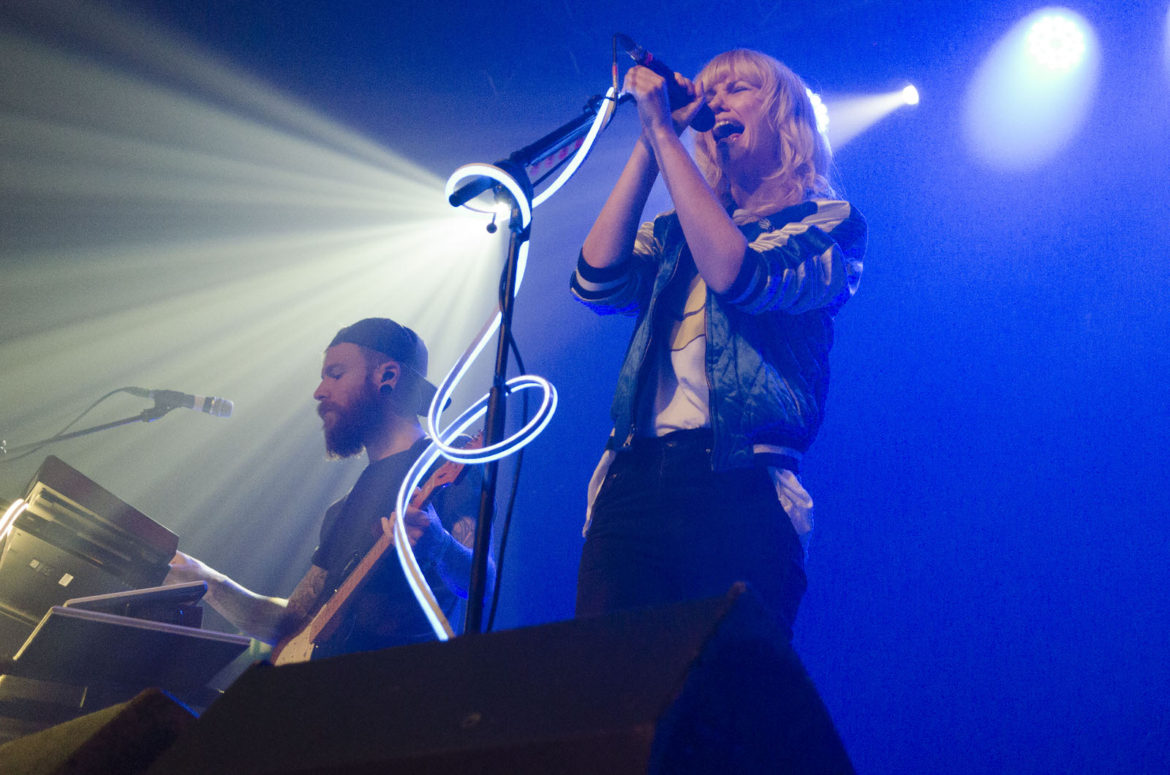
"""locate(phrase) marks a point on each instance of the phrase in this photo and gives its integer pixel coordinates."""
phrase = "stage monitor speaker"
(124, 739)
(702, 687)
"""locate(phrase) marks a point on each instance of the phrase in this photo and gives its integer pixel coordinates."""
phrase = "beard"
(345, 437)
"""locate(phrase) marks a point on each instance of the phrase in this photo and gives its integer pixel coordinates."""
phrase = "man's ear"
(388, 374)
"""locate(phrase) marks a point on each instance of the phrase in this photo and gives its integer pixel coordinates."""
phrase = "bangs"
(758, 69)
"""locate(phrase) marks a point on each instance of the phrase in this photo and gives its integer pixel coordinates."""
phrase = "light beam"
(173, 224)
(1031, 94)
(850, 115)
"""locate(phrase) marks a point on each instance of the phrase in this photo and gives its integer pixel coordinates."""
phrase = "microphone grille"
(220, 407)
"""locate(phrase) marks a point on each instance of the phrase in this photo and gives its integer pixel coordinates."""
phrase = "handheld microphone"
(704, 119)
(173, 399)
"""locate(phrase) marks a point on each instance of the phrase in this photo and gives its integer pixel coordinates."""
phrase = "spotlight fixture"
(1030, 96)
(1056, 41)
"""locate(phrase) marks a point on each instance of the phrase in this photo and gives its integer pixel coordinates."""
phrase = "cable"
(530, 427)
(506, 530)
(609, 104)
(5, 459)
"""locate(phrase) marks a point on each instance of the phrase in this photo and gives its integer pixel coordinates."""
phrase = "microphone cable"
(57, 436)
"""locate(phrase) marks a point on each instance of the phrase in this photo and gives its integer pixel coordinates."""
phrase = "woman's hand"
(650, 92)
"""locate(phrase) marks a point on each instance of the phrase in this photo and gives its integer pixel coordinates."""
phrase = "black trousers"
(666, 528)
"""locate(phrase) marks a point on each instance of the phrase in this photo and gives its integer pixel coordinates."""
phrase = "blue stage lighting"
(910, 95)
(1056, 40)
(819, 110)
(1032, 92)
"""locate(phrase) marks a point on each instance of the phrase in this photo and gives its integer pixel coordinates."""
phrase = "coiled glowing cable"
(442, 438)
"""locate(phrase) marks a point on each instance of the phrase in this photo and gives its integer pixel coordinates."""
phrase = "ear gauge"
(386, 390)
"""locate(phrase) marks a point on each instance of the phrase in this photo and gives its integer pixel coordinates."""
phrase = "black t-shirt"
(385, 612)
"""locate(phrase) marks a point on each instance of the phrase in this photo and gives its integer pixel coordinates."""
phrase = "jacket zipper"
(650, 318)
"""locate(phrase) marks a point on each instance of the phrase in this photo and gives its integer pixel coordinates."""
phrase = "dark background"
(988, 574)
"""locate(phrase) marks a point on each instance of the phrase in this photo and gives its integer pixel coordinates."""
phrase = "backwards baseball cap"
(396, 342)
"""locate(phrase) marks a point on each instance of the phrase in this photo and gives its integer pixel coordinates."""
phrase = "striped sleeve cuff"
(592, 284)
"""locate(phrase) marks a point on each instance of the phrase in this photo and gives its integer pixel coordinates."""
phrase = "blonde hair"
(804, 158)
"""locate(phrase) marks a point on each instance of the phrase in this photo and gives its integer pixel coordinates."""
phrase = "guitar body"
(297, 647)
(300, 645)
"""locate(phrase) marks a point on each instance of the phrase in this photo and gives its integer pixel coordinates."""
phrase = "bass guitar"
(299, 646)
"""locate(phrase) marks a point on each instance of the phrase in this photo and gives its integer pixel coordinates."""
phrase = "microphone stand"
(515, 168)
(530, 155)
(494, 426)
(147, 415)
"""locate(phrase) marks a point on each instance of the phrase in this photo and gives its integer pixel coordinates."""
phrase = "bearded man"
(373, 390)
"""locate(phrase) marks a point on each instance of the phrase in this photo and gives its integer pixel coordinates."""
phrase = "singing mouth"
(725, 129)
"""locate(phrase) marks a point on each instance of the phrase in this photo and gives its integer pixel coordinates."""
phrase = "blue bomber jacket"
(768, 335)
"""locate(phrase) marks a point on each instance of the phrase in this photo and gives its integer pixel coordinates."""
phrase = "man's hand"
(424, 530)
(184, 568)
